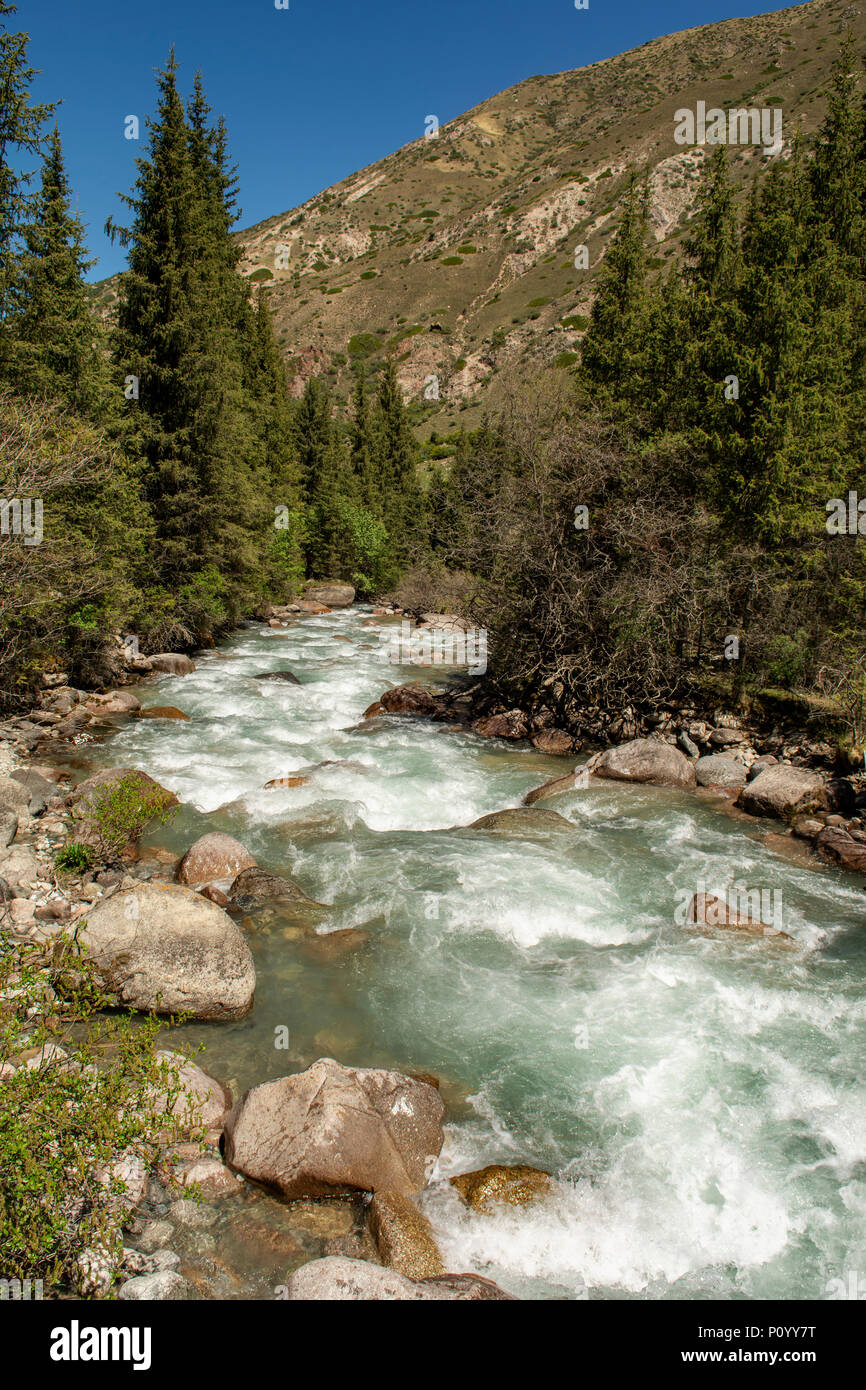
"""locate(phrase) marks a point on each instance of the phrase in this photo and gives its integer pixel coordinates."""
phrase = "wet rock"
(519, 820)
(330, 595)
(279, 677)
(335, 1129)
(510, 724)
(555, 742)
(212, 1178)
(709, 911)
(163, 712)
(155, 1236)
(839, 847)
(338, 1279)
(647, 761)
(409, 699)
(807, 827)
(255, 886)
(163, 1287)
(291, 781)
(785, 792)
(173, 663)
(162, 947)
(214, 856)
(720, 770)
(374, 710)
(515, 1184)
(310, 607)
(330, 946)
(556, 785)
(403, 1236)
(215, 895)
(326, 1220)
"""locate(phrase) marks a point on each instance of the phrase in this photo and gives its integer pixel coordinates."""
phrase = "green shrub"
(566, 359)
(452, 260)
(262, 274)
(575, 321)
(363, 344)
(369, 275)
(66, 1119)
(538, 303)
(118, 814)
(467, 250)
(75, 858)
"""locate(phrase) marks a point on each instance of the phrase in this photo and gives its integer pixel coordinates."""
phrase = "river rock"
(408, 699)
(516, 1184)
(838, 847)
(330, 595)
(298, 780)
(333, 1129)
(163, 712)
(403, 1236)
(807, 827)
(510, 724)
(709, 911)
(8, 828)
(279, 677)
(338, 1279)
(212, 1178)
(518, 820)
(200, 1097)
(162, 947)
(254, 886)
(13, 797)
(647, 761)
(214, 856)
(113, 702)
(173, 663)
(784, 791)
(720, 770)
(163, 1287)
(19, 865)
(555, 786)
(555, 742)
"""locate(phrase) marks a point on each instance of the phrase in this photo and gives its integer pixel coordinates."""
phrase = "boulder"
(298, 780)
(807, 827)
(510, 724)
(331, 595)
(310, 607)
(8, 828)
(163, 712)
(720, 770)
(408, 699)
(163, 1287)
(254, 886)
(709, 911)
(334, 1129)
(214, 856)
(114, 702)
(212, 1178)
(555, 742)
(555, 786)
(838, 847)
(403, 1236)
(198, 1096)
(162, 947)
(520, 819)
(648, 761)
(173, 663)
(784, 791)
(13, 796)
(20, 866)
(516, 1184)
(279, 677)
(338, 1279)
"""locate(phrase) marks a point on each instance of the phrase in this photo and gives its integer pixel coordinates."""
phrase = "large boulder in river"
(339, 1279)
(214, 856)
(648, 761)
(162, 947)
(279, 677)
(556, 786)
(408, 699)
(190, 1093)
(254, 886)
(720, 770)
(334, 1129)
(838, 847)
(511, 723)
(784, 791)
(332, 595)
(403, 1236)
(516, 1184)
(172, 663)
(113, 702)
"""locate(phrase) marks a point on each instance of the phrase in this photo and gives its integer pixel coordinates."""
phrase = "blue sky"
(314, 92)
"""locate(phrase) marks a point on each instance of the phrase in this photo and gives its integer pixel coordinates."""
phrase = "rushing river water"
(700, 1099)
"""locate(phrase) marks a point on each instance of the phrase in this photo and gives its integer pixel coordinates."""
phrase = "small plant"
(118, 814)
(452, 260)
(75, 858)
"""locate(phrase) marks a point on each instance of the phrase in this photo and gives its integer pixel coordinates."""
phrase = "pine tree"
(402, 503)
(59, 345)
(613, 353)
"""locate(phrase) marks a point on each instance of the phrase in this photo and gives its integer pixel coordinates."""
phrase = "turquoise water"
(700, 1100)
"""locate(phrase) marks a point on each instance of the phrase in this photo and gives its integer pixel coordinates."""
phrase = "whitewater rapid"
(700, 1100)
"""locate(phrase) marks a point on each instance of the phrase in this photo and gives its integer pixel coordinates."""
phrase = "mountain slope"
(456, 253)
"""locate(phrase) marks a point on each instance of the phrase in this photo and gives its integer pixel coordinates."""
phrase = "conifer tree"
(612, 353)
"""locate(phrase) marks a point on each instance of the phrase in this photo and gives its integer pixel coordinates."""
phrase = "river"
(699, 1099)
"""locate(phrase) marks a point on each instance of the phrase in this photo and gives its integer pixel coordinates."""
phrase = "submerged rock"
(163, 712)
(163, 948)
(519, 819)
(647, 761)
(516, 1184)
(336, 1278)
(254, 886)
(709, 911)
(214, 856)
(334, 1129)
(557, 785)
(279, 677)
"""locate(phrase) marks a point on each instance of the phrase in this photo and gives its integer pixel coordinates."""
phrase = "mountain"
(457, 253)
